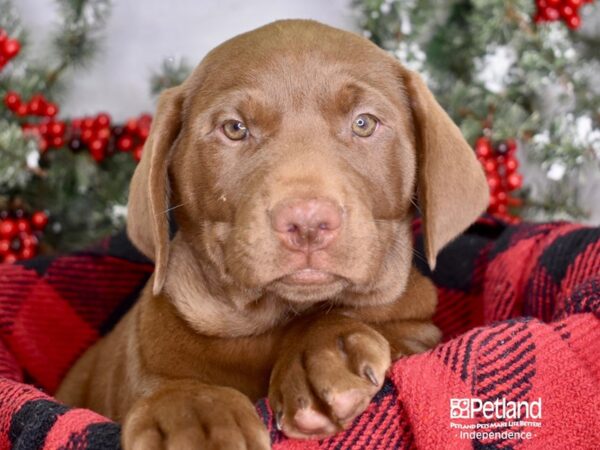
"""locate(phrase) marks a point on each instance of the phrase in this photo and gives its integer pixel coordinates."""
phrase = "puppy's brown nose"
(306, 224)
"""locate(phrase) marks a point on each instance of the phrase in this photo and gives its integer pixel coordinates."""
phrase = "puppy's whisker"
(168, 210)
(416, 205)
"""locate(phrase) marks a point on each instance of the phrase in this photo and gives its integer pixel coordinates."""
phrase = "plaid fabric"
(519, 308)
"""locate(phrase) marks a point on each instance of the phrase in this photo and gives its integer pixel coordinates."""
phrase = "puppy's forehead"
(297, 58)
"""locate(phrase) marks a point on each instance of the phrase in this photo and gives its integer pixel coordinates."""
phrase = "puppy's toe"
(346, 405)
(311, 422)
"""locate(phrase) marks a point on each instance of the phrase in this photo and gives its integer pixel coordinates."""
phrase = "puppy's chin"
(307, 287)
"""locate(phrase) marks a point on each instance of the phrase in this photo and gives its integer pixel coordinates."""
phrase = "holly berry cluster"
(20, 234)
(94, 133)
(102, 139)
(8, 48)
(566, 10)
(500, 164)
(36, 106)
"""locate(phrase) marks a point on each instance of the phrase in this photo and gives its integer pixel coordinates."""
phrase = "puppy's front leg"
(327, 372)
(187, 414)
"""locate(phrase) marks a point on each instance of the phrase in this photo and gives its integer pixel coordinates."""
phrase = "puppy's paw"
(327, 380)
(203, 417)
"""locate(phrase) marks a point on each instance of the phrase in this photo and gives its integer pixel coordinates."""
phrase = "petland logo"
(469, 408)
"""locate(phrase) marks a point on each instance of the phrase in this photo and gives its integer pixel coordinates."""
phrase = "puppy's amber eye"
(364, 125)
(235, 130)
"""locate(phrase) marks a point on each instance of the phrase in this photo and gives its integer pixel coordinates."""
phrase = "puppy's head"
(291, 159)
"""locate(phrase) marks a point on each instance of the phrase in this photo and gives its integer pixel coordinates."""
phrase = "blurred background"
(79, 79)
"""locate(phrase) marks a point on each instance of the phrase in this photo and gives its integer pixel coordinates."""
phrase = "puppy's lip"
(308, 276)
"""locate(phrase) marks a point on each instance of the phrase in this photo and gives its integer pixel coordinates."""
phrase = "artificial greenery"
(500, 74)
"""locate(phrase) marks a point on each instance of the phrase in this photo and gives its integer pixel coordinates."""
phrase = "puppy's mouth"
(309, 285)
(308, 277)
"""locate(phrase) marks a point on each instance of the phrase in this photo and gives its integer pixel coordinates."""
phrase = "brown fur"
(218, 327)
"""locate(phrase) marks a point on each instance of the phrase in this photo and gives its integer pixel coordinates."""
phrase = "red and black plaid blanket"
(519, 308)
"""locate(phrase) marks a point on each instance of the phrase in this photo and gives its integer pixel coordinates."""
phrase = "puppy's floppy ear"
(451, 185)
(147, 217)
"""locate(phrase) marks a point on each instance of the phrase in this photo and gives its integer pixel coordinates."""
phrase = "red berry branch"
(566, 10)
(93, 133)
(20, 234)
(8, 48)
(500, 164)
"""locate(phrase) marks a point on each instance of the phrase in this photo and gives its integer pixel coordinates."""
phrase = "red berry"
(97, 145)
(102, 120)
(511, 165)
(483, 147)
(51, 110)
(4, 246)
(10, 258)
(137, 152)
(86, 135)
(574, 22)
(490, 166)
(21, 110)
(87, 123)
(566, 11)
(125, 143)
(501, 210)
(44, 127)
(103, 133)
(23, 225)
(98, 155)
(27, 253)
(143, 133)
(493, 182)
(57, 128)
(553, 3)
(12, 100)
(575, 4)
(131, 126)
(542, 4)
(10, 48)
(8, 228)
(34, 107)
(39, 220)
(57, 141)
(502, 197)
(514, 181)
(76, 123)
(145, 120)
(551, 14)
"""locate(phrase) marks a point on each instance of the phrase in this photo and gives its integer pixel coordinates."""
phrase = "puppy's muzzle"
(306, 225)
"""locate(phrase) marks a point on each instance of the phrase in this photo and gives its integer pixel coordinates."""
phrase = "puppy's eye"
(235, 130)
(364, 125)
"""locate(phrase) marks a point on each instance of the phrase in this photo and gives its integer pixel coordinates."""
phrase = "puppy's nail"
(371, 375)
(278, 420)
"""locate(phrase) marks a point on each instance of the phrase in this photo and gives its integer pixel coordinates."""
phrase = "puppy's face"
(293, 164)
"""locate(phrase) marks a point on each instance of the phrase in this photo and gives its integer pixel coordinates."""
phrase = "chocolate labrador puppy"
(290, 160)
